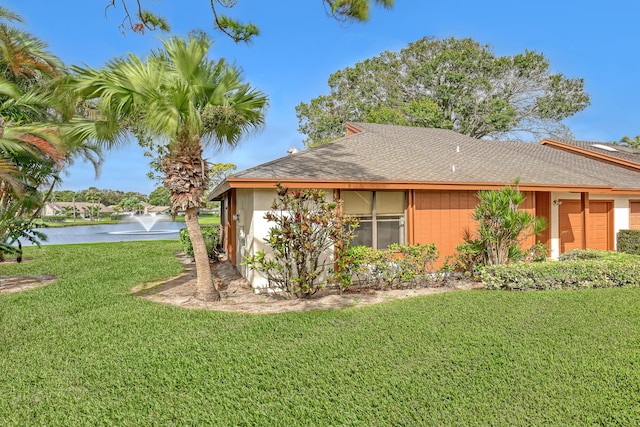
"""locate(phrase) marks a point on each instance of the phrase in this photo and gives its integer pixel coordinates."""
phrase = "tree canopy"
(219, 172)
(160, 197)
(631, 142)
(139, 18)
(176, 100)
(451, 83)
(37, 122)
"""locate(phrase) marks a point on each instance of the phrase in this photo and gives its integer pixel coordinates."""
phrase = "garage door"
(600, 232)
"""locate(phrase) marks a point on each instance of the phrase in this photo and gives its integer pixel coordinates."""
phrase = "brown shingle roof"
(616, 153)
(413, 154)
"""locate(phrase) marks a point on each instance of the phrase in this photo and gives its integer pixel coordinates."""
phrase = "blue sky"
(299, 47)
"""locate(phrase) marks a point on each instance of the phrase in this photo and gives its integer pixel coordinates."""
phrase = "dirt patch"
(9, 284)
(237, 295)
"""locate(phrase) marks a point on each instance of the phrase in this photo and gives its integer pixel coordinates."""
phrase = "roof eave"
(219, 190)
(600, 156)
(268, 183)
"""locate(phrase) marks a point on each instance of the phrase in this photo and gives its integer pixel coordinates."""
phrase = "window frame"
(374, 217)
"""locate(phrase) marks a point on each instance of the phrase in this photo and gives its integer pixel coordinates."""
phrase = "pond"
(123, 232)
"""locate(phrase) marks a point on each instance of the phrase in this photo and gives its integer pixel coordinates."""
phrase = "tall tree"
(112, 197)
(24, 59)
(177, 100)
(63, 196)
(160, 197)
(219, 172)
(453, 83)
(138, 18)
(36, 122)
(631, 142)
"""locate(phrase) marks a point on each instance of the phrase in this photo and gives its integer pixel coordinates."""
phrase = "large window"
(381, 216)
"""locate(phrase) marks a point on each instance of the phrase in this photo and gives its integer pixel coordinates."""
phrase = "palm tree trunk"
(205, 289)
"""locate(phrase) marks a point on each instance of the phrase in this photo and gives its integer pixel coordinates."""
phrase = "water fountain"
(147, 222)
(145, 227)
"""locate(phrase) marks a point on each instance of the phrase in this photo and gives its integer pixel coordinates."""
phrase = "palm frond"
(9, 15)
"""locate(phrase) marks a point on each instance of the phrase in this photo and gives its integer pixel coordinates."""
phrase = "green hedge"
(399, 266)
(605, 271)
(54, 218)
(583, 254)
(211, 240)
(629, 241)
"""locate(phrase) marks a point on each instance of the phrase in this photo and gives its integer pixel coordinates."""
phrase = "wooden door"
(634, 215)
(570, 225)
(600, 232)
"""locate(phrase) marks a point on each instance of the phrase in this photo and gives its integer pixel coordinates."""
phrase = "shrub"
(536, 253)
(54, 218)
(415, 263)
(211, 240)
(629, 241)
(381, 269)
(599, 271)
(306, 229)
(351, 266)
(586, 254)
(502, 227)
(399, 266)
(467, 259)
(118, 216)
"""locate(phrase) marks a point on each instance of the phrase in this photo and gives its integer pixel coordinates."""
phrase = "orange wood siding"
(441, 217)
(543, 210)
(529, 205)
(634, 215)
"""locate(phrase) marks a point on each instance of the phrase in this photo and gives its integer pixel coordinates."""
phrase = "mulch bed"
(9, 284)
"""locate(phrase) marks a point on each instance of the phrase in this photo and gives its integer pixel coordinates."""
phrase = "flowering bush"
(306, 229)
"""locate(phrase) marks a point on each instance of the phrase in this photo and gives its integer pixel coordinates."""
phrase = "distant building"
(82, 209)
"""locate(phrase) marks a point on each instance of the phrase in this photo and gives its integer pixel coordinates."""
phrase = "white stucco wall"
(252, 229)
(620, 215)
(242, 217)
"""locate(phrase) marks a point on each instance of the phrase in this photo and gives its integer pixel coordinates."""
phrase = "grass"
(202, 219)
(78, 222)
(84, 351)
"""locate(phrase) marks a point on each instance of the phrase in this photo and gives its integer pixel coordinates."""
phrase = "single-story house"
(155, 210)
(418, 185)
(82, 209)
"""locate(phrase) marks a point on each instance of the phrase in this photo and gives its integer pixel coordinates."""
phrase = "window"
(381, 216)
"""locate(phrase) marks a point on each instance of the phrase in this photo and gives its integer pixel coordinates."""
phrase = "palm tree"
(632, 142)
(37, 134)
(176, 100)
(24, 59)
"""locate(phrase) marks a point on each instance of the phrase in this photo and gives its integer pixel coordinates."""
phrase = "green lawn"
(79, 222)
(202, 219)
(84, 351)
